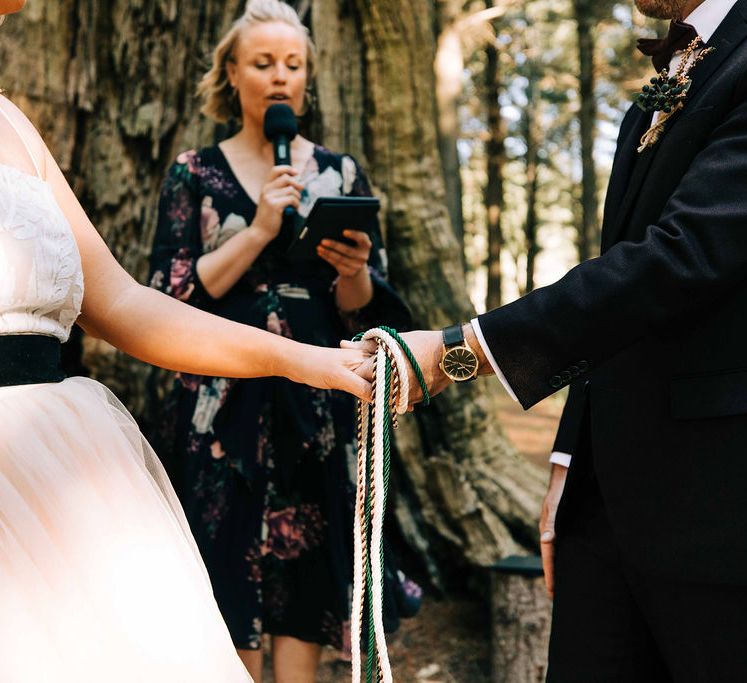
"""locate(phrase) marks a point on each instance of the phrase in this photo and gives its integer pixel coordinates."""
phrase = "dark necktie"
(661, 49)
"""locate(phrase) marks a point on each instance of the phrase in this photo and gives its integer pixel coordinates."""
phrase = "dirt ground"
(448, 641)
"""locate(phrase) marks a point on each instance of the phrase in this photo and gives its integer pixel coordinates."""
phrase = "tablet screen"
(329, 217)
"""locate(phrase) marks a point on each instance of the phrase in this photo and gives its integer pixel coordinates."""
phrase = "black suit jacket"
(655, 329)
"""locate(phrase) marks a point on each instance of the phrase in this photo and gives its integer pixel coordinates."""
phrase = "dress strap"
(23, 140)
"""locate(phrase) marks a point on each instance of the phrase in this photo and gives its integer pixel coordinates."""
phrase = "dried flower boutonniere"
(666, 94)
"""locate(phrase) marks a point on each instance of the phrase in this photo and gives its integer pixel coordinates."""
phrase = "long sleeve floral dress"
(264, 467)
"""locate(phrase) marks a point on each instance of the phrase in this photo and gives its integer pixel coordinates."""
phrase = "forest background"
(488, 129)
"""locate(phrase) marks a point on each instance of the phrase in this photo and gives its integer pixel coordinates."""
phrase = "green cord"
(371, 655)
(387, 454)
(371, 650)
(409, 355)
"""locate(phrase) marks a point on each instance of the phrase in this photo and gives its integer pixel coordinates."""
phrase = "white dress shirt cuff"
(558, 458)
(486, 350)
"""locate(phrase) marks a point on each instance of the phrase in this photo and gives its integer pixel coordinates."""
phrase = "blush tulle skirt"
(100, 579)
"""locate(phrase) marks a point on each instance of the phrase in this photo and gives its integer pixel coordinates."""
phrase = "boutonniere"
(666, 94)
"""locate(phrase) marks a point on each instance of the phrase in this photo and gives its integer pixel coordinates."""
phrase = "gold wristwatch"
(458, 361)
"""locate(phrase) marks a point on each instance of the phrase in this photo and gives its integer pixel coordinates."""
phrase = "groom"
(650, 558)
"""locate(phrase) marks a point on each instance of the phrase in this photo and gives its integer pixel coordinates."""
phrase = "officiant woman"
(264, 468)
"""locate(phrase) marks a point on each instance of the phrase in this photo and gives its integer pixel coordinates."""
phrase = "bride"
(100, 579)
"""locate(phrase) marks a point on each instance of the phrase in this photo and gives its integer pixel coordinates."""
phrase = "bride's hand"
(332, 369)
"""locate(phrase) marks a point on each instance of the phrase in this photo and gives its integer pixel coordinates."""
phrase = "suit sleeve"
(569, 429)
(694, 254)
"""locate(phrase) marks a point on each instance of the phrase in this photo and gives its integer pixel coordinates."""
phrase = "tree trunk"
(532, 183)
(520, 633)
(495, 156)
(111, 86)
(463, 485)
(341, 108)
(448, 68)
(589, 231)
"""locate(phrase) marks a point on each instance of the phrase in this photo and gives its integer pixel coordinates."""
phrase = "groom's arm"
(694, 254)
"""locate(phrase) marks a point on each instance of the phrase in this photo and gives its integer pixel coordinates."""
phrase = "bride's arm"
(160, 330)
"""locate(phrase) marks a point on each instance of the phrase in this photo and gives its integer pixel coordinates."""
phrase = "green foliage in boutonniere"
(666, 94)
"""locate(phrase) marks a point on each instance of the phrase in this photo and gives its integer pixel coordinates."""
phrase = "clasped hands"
(426, 346)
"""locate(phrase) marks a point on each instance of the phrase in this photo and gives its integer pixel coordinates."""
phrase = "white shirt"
(706, 18)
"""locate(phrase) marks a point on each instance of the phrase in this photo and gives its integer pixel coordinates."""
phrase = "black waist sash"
(29, 359)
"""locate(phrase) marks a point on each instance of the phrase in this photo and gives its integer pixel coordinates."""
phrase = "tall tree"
(465, 486)
(495, 156)
(585, 13)
(449, 64)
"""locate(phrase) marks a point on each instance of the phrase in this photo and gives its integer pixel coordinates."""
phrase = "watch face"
(459, 363)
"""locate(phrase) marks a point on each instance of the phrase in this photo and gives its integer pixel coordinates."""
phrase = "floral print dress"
(265, 468)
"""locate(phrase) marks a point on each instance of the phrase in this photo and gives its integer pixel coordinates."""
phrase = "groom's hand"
(547, 524)
(426, 346)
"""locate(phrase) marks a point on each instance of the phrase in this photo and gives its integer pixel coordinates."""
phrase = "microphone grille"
(280, 120)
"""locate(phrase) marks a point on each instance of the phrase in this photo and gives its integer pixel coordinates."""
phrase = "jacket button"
(556, 382)
(583, 366)
(565, 376)
(574, 370)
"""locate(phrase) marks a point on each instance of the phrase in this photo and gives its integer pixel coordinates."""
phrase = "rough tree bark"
(466, 485)
(110, 85)
(448, 65)
(521, 618)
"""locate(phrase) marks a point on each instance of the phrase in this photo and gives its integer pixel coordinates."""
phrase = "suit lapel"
(730, 33)
(633, 126)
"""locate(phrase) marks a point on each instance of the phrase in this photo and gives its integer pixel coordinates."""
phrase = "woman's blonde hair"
(219, 99)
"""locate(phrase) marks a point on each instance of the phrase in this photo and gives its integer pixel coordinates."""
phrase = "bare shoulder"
(26, 129)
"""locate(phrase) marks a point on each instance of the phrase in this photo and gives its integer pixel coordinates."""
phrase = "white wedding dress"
(100, 579)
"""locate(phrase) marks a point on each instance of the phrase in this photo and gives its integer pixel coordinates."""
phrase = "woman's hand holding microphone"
(354, 288)
(279, 192)
(221, 269)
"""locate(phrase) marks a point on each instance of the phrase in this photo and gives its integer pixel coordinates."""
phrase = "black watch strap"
(453, 335)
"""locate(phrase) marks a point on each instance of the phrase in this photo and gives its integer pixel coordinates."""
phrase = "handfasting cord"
(391, 390)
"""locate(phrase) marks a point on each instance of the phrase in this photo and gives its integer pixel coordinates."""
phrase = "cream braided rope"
(391, 391)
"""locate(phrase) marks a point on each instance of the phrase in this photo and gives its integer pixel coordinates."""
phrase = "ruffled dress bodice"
(41, 279)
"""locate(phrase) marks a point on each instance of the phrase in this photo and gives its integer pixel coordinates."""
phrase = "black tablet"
(328, 218)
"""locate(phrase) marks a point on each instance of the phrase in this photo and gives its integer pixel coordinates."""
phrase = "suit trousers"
(612, 624)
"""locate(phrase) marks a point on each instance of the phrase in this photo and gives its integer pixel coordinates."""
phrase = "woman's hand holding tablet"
(330, 219)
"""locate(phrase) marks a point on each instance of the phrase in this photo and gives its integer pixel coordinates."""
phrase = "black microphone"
(281, 127)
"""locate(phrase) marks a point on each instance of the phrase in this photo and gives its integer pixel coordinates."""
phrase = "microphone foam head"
(280, 120)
